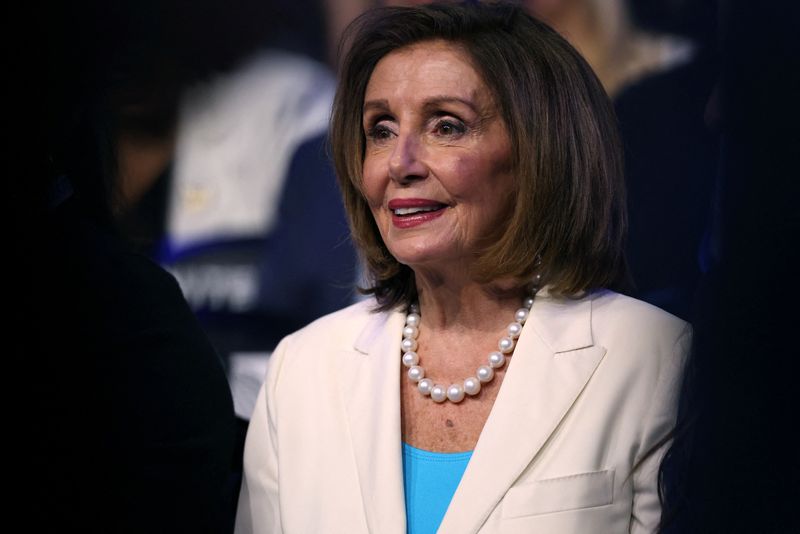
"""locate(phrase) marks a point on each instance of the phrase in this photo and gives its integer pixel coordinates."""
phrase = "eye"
(379, 132)
(449, 128)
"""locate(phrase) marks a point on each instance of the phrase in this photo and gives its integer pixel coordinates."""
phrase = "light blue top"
(430, 479)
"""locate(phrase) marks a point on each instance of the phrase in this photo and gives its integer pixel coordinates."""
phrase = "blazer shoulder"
(337, 330)
(347, 320)
(640, 338)
(614, 309)
(308, 354)
(633, 329)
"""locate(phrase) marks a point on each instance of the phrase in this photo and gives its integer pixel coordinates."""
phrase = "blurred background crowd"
(193, 136)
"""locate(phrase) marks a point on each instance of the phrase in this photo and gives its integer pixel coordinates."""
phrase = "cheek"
(371, 186)
(480, 179)
(461, 176)
(488, 186)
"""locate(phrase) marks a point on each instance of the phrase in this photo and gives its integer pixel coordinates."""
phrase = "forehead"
(427, 69)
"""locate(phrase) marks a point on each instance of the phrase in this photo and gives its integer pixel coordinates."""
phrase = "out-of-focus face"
(547, 9)
(437, 166)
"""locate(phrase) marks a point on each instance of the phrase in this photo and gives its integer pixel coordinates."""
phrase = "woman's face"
(437, 166)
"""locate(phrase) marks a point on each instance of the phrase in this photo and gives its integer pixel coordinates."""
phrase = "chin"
(429, 258)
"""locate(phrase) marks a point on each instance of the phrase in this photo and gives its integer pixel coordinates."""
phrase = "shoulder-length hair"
(568, 222)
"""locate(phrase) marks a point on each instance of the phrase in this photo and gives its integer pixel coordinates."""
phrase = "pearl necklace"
(485, 373)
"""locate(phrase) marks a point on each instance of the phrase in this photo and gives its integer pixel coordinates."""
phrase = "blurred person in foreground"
(732, 467)
(481, 174)
(133, 424)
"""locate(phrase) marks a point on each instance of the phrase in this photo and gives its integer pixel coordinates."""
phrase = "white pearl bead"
(514, 330)
(411, 332)
(416, 373)
(425, 385)
(455, 393)
(485, 373)
(537, 279)
(472, 386)
(408, 345)
(438, 393)
(410, 358)
(496, 360)
(413, 319)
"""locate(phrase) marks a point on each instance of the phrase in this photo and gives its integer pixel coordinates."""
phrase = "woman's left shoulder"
(607, 302)
(615, 313)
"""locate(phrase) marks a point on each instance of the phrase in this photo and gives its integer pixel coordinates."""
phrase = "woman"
(480, 169)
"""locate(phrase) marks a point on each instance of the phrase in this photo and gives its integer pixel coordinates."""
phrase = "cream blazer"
(591, 387)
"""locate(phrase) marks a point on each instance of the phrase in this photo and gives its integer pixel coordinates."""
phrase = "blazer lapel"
(553, 361)
(370, 389)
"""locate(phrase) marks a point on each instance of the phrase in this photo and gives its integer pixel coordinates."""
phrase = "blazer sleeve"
(655, 441)
(258, 509)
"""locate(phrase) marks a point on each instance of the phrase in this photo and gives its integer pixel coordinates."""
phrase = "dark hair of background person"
(568, 221)
(732, 467)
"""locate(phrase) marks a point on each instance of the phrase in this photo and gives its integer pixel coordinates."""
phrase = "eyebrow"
(380, 104)
(435, 101)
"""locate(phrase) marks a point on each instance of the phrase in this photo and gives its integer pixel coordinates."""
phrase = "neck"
(458, 303)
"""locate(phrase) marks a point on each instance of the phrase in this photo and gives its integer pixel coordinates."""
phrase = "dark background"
(733, 465)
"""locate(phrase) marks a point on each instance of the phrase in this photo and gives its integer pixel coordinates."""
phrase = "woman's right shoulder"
(339, 324)
(332, 333)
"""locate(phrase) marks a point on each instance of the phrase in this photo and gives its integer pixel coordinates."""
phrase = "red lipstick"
(410, 212)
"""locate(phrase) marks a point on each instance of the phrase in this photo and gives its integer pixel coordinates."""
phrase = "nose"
(406, 161)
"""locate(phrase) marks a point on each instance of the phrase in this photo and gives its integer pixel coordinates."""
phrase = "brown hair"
(568, 222)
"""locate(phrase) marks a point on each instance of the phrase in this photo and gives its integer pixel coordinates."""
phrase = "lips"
(408, 212)
(412, 211)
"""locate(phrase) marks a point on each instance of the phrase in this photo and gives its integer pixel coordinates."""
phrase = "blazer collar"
(563, 324)
(552, 362)
(373, 335)
(554, 359)
(370, 388)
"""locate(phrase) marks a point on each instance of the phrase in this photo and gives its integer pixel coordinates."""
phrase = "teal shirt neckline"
(430, 480)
